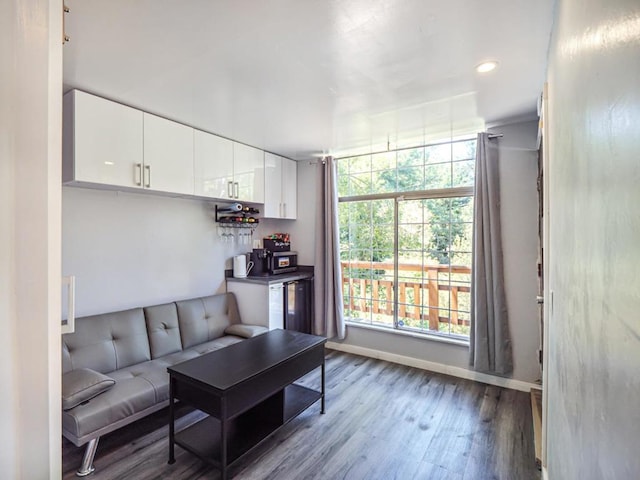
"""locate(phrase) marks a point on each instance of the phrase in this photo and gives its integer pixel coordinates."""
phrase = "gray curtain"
(329, 318)
(489, 341)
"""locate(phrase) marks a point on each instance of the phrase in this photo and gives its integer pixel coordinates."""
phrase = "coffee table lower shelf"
(248, 429)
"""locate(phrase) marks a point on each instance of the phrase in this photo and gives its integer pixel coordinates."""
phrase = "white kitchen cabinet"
(103, 141)
(112, 146)
(289, 189)
(272, 186)
(280, 200)
(248, 173)
(227, 170)
(168, 156)
(213, 166)
(259, 304)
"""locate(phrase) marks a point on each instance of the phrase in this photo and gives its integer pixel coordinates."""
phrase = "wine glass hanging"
(236, 223)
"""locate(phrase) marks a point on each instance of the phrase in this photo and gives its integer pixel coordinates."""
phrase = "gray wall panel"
(594, 332)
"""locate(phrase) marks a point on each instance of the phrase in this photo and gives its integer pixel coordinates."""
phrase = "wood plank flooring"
(383, 421)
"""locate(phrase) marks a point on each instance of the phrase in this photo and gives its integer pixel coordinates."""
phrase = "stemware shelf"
(237, 216)
(236, 223)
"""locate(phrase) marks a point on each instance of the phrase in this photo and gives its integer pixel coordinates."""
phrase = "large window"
(406, 221)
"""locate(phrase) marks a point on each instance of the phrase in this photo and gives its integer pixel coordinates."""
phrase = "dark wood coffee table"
(248, 391)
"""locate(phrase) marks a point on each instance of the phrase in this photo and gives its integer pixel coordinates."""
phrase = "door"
(281, 189)
(107, 141)
(272, 186)
(547, 306)
(298, 305)
(213, 165)
(248, 171)
(289, 189)
(168, 156)
(276, 306)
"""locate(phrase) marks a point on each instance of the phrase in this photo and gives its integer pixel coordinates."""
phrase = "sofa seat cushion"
(245, 331)
(83, 384)
(216, 344)
(155, 372)
(127, 397)
(178, 357)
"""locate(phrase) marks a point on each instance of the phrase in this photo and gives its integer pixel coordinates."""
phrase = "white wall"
(518, 176)
(8, 321)
(519, 215)
(594, 334)
(133, 249)
(30, 144)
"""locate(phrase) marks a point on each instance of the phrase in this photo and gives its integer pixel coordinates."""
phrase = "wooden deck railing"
(426, 293)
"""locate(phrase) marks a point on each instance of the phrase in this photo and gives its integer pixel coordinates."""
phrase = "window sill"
(422, 336)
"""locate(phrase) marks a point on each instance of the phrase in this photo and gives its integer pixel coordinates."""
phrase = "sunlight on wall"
(613, 34)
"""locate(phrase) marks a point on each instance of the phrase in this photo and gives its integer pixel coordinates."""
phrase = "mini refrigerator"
(298, 305)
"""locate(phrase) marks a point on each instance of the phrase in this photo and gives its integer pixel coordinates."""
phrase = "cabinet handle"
(138, 174)
(230, 189)
(70, 282)
(236, 186)
(148, 169)
(65, 37)
(284, 210)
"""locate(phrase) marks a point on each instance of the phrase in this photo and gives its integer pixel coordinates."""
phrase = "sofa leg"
(87, 461)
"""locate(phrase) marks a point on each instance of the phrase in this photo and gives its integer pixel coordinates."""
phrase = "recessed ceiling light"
(485, 67)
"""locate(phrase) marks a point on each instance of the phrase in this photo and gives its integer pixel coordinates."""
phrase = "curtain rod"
(320, 161)
(435, 144)
(490, 135)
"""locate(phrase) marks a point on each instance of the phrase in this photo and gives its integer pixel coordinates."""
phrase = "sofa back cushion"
(204, 319)
(106, 342)
(163, 330)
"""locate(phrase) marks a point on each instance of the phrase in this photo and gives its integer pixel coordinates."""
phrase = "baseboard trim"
(433, 366)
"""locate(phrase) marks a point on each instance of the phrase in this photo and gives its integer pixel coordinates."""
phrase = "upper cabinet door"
(103, 141)
(280, 187)
(248, 172)
(213, 165)
(168, 156)
(272, 186)
(289, 189)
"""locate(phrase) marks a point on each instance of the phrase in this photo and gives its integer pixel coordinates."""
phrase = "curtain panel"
(329, 317)
(490, 343)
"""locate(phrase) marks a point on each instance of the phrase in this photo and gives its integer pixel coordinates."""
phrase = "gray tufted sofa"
(115, 365)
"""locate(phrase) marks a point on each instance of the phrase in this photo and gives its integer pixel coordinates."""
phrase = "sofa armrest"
(81, 385)
(245, 331)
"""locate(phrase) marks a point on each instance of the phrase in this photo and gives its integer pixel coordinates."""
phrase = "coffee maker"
(260, 259)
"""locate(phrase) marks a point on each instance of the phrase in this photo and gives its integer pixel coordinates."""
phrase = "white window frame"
(397, 196)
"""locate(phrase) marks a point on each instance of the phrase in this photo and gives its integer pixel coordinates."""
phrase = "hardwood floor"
(383, 421)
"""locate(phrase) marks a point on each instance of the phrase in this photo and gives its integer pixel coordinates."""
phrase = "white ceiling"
(305, 77)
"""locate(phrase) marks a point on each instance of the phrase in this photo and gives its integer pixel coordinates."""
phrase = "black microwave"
(282, 262)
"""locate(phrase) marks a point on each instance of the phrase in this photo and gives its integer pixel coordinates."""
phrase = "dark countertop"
(270, 279)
